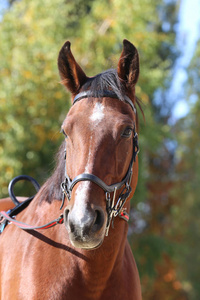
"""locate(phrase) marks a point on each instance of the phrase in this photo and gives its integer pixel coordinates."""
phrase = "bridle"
(113, 209)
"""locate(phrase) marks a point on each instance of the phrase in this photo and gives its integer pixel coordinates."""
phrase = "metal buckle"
(110, 208)
(65, 189)
(122, 200)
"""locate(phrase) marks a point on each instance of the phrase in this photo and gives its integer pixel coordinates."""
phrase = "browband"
(101, 94)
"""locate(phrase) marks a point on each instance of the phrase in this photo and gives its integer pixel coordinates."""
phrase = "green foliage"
(30, 105)
(150, 252)
(187, 211)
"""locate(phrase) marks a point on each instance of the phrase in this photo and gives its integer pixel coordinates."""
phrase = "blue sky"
(188, 33)
(3, 5)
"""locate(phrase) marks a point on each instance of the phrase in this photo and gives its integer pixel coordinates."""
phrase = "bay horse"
(88, 256)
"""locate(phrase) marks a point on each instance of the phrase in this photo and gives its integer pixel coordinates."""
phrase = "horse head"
(101, 146)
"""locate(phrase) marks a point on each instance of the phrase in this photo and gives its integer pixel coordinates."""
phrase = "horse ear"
(71, 73)
(128, 65)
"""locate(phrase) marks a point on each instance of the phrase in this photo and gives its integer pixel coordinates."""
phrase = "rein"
(25, 226)
(9, 216)
(113, 210)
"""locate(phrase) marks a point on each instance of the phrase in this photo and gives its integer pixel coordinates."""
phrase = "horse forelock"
(107, 80)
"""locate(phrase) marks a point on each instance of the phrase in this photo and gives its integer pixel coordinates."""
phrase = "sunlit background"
(164, 225)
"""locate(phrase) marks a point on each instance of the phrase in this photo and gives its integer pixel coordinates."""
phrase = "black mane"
(51, 189)
(107, 80)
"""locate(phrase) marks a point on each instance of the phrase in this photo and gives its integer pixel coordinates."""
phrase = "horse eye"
(127, 132)
(63, 132)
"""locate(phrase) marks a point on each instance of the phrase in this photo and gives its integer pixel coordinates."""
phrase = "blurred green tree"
(187, 209)
(31, 97)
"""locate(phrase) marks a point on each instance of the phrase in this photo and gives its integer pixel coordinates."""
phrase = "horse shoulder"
(31, 253)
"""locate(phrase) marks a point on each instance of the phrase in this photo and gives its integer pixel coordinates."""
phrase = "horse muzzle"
(86, 227)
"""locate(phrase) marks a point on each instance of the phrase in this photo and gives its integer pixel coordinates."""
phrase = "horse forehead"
(98, 114)
(104, 119)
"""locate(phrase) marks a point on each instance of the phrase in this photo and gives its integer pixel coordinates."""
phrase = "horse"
(87, 254)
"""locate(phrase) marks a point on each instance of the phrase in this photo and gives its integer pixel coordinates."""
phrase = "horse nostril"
(66, 213)
(99, 220)
(72, 228)
(68, 221)
(98, 217)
